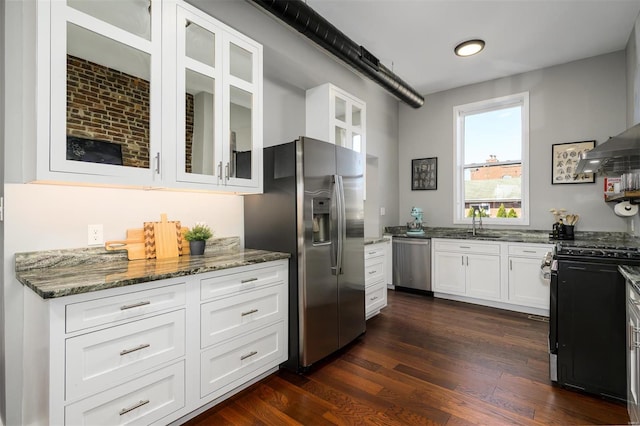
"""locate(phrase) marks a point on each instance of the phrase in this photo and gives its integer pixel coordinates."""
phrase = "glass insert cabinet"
(150, 93)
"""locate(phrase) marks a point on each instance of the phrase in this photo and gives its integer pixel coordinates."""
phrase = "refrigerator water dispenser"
(321, 217)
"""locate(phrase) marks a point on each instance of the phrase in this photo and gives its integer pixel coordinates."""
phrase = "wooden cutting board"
(166, 238)
(134, 244)
(150, 240)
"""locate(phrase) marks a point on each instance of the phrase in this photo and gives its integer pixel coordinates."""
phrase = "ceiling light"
(469, 47)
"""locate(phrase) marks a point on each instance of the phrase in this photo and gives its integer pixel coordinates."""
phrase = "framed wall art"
(564, 159)
(424, 173)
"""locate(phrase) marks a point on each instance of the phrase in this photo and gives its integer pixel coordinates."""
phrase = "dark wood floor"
(424, 361)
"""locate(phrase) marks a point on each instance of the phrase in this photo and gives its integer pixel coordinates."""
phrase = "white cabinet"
(219, 99)
(633, 356)
(148, 94)
(334, 115)
(526, 285)
(466, 268)
(500, 274)
(375, 276)
(153, 352)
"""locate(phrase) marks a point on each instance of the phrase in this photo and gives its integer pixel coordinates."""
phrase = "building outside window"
(491, 141)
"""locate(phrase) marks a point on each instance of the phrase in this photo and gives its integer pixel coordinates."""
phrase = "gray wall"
(582, 100)
(292, 64)
(633, 96)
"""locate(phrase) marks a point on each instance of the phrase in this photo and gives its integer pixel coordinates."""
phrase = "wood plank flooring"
(424, 361)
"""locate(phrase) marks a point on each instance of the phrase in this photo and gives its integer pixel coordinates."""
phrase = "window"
(491, 140)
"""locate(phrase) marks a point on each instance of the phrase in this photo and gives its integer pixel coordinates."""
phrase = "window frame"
(459, 114)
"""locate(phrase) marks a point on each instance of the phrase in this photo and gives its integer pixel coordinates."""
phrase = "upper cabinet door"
(105, 105)
(199, 99)
(242, 121)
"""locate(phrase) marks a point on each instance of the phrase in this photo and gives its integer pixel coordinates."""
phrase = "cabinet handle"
(134, 305)
(528, 251)
(158, 163)
(372, 252)
(373, 298)
(226, 172)
(134, 406)
(249, 355)
(467, 260)
(372, 272)
(465, 247)
(220, 170)
(137, 348)
(462, 259)
(248, 280)
(253, 311)
(510, 265)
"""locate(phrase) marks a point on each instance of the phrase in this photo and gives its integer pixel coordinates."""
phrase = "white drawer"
(374, 297)
(374, 271)
(466, 247)
(116, 308)
(141, 401)
(232, 316)
(537, 251)
(226, 363)
(374, 250)
(242, 281)
(108, 357)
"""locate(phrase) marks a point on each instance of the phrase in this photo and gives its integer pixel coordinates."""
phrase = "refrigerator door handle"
(342, 222)
(335, 215)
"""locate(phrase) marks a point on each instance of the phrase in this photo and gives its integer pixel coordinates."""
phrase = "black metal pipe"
(305, 20)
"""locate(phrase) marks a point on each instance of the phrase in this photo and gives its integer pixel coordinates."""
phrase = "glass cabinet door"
(243, 125)
(199, 100)
(105, 80)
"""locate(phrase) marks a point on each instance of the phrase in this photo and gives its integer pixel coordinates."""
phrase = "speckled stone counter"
(521, 236)
(58, 273)
(631, 274)
(376, 240)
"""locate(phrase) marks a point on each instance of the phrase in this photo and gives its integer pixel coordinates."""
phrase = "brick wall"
(109, 105)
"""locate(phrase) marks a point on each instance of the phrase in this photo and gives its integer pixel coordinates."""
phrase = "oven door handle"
(553, 312)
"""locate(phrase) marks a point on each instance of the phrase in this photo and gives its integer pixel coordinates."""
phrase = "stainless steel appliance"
(312, 208)
(587, 325)
(412, 263)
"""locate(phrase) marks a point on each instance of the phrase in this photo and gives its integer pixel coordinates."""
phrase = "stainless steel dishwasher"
(412, 263)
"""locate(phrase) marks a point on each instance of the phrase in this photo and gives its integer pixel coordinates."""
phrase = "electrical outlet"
(382, 211)
(95, 235)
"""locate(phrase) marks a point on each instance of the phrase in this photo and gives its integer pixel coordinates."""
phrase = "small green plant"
(502, 211)
(512, 213)
(200, 232)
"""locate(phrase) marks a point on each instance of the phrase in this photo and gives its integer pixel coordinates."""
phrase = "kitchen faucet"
(473, 219)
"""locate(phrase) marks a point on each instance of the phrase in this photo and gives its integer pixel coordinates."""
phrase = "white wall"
(582, 100)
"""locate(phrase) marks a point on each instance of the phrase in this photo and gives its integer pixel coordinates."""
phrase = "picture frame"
(424, 174)
(564, 159)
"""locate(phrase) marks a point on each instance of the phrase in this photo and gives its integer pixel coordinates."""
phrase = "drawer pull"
(373, 298)
(372, 252)
(137, 348)
(249, 355)
(528, 251)
(465, 247)
(133, 407)
(134, 305)
(372, 272)
(253, 311)
(248, 280)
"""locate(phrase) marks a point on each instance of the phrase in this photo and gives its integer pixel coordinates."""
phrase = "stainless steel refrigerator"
(312, 208)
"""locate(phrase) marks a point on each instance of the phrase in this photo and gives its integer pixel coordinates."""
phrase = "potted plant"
(197, 236)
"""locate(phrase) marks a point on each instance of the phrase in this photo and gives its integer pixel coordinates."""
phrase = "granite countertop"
(631, 274)
(375, 240)
(521, 236)
(59, 273)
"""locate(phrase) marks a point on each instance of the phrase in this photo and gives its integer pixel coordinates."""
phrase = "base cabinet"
(375, 276)
(153, 352)
(633, 354)
(499, 274)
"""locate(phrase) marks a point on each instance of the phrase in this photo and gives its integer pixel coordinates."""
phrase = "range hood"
(618, 155)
